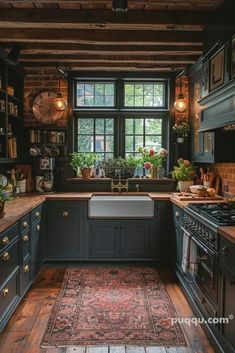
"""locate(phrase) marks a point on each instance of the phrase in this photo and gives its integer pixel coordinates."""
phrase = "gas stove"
(221, 214)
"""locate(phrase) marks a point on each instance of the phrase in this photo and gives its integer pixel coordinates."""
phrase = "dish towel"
(193, 258)
(186, 252)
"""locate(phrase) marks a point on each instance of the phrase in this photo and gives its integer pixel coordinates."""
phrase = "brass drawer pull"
(26, 268)
(65, 214)
(5, 241)
(6, 256)
(25, 224)
(25, 238)
(37, 214)
(5, 292)
(38, 227)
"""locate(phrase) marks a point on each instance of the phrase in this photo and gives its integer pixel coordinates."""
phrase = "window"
(144, 94)
(96, 135)
(135, 115)
(95, 94)
(142, 132)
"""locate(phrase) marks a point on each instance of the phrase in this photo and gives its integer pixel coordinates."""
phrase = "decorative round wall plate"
(43, 108)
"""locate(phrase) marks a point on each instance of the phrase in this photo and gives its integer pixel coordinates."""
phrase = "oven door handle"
(186, 232)
(208, 252)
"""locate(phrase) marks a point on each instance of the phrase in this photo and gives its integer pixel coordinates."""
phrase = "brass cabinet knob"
(26, 268)
(6, 256)
(65, 214)
(25, 224)
(38, 227)
(37, 214)
(5, 241)
(5, 292)
(25, 238)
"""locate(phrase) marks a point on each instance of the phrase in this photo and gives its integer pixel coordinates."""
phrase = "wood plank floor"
(24, 332)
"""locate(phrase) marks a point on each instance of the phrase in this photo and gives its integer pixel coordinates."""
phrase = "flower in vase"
(147, 165)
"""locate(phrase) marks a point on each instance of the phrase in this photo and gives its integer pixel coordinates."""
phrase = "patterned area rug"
(113, 305)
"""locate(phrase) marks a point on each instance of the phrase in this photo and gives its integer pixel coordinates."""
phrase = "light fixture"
(119, 6)
(180, 103)
(60, 103)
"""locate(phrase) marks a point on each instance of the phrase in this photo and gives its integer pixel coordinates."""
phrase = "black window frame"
(119, 112)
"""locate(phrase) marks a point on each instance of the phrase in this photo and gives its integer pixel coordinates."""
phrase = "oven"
(207, 269)
(203, 241)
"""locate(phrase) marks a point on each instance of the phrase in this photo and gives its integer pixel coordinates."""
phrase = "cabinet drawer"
(178, 213)
(24, 223)
(227, 254)
(8, 294)
(7, 236)
(25, 276)
(25, 245)
(9, 260)
(36, 214)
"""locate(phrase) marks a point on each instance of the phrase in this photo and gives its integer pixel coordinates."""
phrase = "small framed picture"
(217, 70)
(233, 58)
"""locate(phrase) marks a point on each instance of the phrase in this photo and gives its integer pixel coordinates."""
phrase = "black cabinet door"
(62, 235)
(36, 244)
(104, 239)
(228, 305)
(134, 239)
(164, 231)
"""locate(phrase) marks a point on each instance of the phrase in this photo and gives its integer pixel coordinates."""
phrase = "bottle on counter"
(13, 181)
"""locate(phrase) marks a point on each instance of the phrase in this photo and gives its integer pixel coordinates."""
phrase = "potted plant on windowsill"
(84, 162)
(182, 129)
(184, 173)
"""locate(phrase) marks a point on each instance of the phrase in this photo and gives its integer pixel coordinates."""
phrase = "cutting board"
(183, 196)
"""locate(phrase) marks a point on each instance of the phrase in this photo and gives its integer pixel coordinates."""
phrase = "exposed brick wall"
(227, 173)
(37, 82)
(185, 91)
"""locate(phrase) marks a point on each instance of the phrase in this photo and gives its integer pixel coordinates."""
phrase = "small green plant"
(83, 160)
(5, 196)
(184, 171)
(181, 128)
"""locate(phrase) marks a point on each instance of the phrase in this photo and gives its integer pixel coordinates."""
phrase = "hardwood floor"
(24, 332)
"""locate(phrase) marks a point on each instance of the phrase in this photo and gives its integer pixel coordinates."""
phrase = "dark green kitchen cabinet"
(36, 245)
(123, 239)
(64, 236)
(104, 239)
(227, 294)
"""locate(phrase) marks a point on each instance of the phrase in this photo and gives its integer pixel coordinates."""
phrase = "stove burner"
(218, 213)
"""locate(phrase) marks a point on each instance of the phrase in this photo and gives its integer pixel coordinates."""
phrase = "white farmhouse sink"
(120, 206)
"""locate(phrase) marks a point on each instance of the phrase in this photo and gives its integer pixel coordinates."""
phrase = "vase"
(2, 213)
(180, 139)
(86, 173)
(184, 185)
(153, 173)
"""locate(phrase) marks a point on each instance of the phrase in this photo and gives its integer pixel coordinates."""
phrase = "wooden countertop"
(20, 206)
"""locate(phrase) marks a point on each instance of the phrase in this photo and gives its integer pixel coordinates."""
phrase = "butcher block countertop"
(20, 206)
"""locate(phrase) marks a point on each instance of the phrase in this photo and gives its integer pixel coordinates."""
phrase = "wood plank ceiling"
(86, 35)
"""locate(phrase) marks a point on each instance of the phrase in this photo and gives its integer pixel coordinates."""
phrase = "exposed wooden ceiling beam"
(28, 53)
(101, 37)
(65, 48)
(109, 58)
(103, 19)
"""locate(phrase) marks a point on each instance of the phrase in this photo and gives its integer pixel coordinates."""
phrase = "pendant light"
(180, 103)
(119, 6)
(60, 103)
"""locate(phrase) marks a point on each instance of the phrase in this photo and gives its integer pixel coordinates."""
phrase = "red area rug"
(113, 305)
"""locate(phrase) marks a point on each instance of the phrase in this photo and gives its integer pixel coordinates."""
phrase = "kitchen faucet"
(120, 185)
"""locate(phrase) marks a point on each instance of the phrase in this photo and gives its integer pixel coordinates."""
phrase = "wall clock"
(44, 109)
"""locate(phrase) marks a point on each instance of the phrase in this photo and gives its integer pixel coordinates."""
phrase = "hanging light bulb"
(119, 6)
(60, 103)
(180, 103)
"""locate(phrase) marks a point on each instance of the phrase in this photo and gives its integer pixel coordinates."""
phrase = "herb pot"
(184, 185)
(86, 173)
